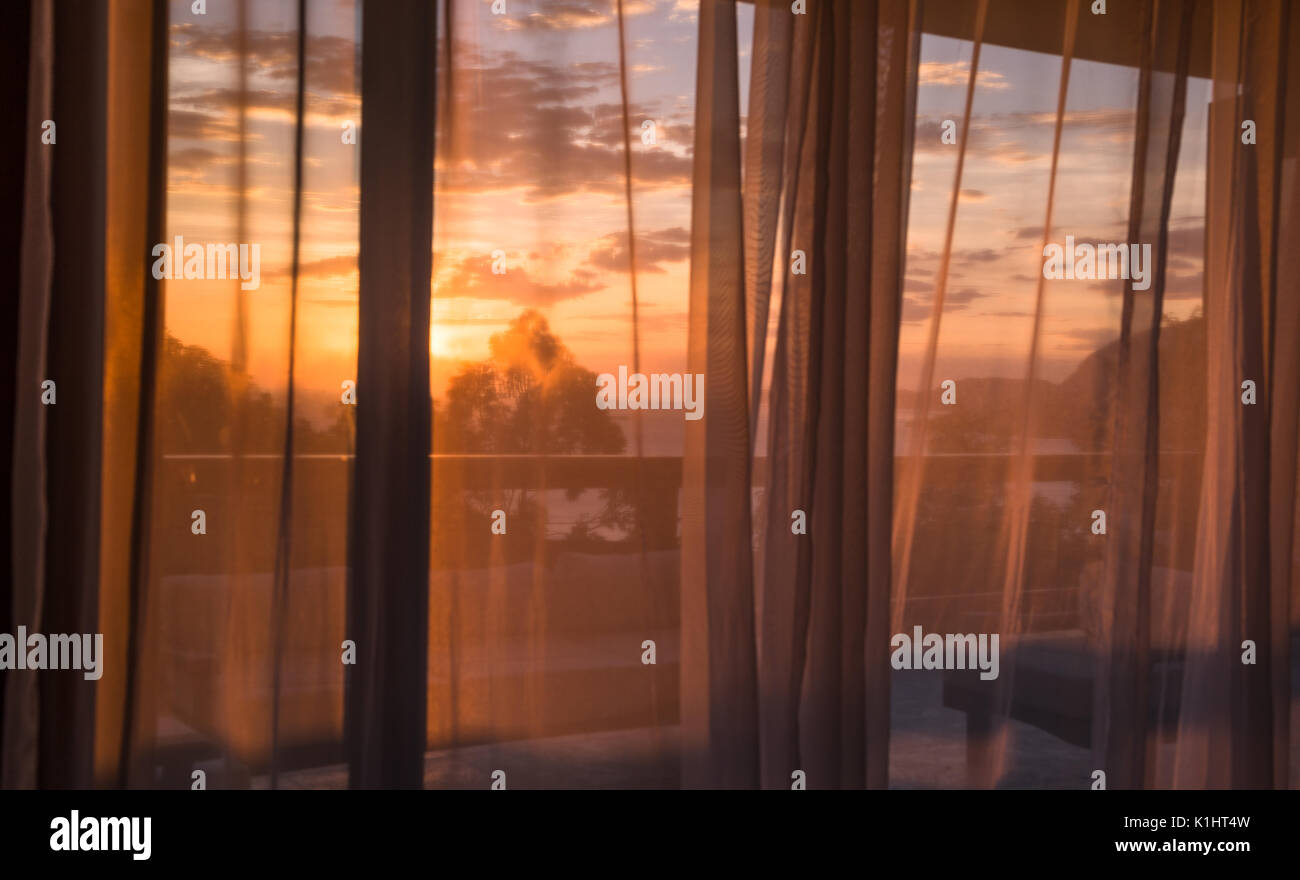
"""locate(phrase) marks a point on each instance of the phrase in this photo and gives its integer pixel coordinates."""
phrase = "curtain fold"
(825, 164)
(1226, 733)
(912, 470)
(1284, 401)
(718, 670)
(29, 509)
(133, 221)
(775, 76)
(389, 559)
(1120, 714)
(14, 80)
(128, 748)
(363, 525)
(74, 439)
(1175, 667)
(782, 591)
(898, 38)
(1013, 536)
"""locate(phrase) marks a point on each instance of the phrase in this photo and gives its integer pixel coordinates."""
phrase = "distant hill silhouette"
(1080, 408)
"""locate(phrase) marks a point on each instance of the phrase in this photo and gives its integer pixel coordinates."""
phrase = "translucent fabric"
(1094, 488)
(634, 393)
(562, 216)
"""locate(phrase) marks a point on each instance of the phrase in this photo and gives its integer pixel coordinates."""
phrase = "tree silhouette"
(530, 397)
(199, 395)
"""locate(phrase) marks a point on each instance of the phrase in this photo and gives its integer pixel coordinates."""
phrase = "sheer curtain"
(1138, 563)
(210, 546)
(324, 550)
(823, 206)
(76, 313)
(1100, 496)
(561, 237)
(1242, 589)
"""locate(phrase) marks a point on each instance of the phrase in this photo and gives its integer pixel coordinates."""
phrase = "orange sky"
(530, 164)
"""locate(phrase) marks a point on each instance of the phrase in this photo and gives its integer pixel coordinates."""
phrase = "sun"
(439, 342)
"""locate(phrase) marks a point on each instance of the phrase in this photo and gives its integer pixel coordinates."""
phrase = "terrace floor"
(927, 751)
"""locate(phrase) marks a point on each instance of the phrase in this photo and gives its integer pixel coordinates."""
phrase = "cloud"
(339, 266)
(1187, 240)
(918, 299)
(196, 161)
(473, 277)
(1021, 137)
(915, 310)
(282, 103)
(330, 267)
(545, 130)
(957, 73)
(961, 298)
(684, 11)
(200, 110)
(976, 255)
(1179, 285)
(1084, 339)
(331, 60)
(197, 125)
(470, 274)
(652, 249)
(567, 15)
(512, 122)
(1184, 265)
(651, 319)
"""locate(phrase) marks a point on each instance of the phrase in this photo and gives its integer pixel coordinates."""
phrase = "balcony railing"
(595, 602)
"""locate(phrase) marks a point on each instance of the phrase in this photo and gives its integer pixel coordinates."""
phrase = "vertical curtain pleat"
(819, 747)
(799, 221)
(83, 234)
(246, 611)
(77, 197)
(284, 536)
(770, 84)
(1014, 533)
(823, 618)
(15, 71)
(786, 558)
(137, 709)
(132, 54)
(897, 62)
(1121, 697)
(856, 81)
(29, 510)
(1284, 397)
(388, 587)
(912, 476)
(718, 670)
(1227, 727)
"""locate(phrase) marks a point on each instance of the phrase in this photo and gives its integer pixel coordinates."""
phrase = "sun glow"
(439, 343)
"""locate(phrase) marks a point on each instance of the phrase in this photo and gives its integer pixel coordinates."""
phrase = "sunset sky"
(530, 162)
